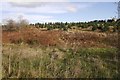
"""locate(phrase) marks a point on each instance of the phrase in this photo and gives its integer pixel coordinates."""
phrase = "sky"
(57, 11)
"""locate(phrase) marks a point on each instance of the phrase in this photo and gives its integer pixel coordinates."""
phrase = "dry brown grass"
(31, 35)
(61, 38)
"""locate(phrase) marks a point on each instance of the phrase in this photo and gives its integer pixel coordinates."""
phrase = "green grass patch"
(48, 63)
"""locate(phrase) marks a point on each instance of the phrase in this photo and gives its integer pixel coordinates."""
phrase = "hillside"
(36, 53)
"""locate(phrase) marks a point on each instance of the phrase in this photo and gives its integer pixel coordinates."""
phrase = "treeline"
(101, 25)
(96, 25)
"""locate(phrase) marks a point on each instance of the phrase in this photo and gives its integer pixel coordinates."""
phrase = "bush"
(12, 25)
(94, 28)
(105, 28)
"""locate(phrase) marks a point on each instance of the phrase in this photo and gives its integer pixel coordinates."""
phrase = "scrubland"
(35, 53)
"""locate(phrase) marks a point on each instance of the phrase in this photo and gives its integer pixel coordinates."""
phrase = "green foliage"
(97, 24)
(94, 28)
(105, 28)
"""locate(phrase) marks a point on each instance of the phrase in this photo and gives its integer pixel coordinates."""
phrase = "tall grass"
(23, 61)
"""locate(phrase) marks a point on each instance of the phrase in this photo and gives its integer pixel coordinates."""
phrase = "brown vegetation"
(74, 39)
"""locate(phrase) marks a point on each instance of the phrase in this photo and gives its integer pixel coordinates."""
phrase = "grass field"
(33, 53)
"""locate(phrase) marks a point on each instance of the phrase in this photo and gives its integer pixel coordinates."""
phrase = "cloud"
(43, 7)
(59, 0)
(71, 8)
(31, 3)
(74, 6)
(26, 4)
(45, 11)
(16, 15)
(30, 7)
(36, 1)
(30, 18)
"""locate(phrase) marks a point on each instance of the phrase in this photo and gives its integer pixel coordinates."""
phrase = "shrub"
(94, 28)
(12, 25)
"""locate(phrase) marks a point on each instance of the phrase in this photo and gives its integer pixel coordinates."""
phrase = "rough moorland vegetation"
(60, 50)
